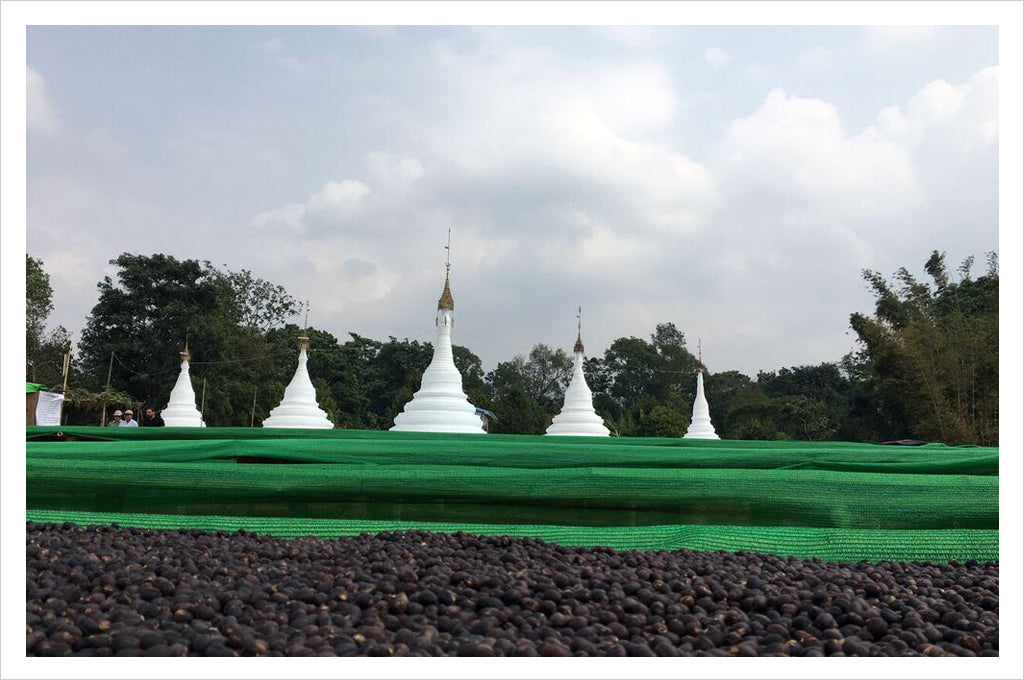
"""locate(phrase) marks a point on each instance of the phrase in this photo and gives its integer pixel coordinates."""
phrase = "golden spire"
(578, 347)
(184, 353)
(447, 301)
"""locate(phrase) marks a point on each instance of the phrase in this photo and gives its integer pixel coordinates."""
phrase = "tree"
(44, 352)
(259, 304)
(38, 302)
(728, 392)
(662, 421)
(518, 413)
(542, 376)
(634, 369)
(145, 315)
(927, 362)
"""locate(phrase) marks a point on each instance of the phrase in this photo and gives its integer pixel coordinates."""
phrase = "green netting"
(392, 449)
(830, 544)
(578, 485)
(205, 433)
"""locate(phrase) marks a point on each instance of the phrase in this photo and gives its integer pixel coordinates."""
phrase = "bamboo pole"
(67, 370)
(252, 416)
(202, 402)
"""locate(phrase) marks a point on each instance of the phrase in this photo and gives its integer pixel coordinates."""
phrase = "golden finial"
(578, 347)
(700, 362)
(184, 353)
(447, 301)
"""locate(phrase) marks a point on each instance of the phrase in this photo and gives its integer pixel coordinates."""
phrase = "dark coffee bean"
(475, 649)
(418, 593)
(151, 639)
(551, 648)
(584, 646)
(876, 626)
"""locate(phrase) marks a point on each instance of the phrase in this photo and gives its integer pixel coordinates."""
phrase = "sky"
(732, 180)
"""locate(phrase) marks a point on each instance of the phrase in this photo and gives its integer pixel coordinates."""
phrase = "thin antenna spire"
(578, 347)
(307, 315)
(698, 351)
(448, 252)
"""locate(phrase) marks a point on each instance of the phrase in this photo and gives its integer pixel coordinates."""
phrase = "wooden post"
(110, 368)
(67, 370)
(202, 402)
(103, 422)
(252, 416)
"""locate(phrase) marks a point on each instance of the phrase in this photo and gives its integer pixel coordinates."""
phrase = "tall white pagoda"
(700, 422)
(441, 405)
(299, 409)
(578, 417)
(181, 408)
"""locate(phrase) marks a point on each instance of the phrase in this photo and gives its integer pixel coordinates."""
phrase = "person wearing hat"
(116, 420)
(128, 422)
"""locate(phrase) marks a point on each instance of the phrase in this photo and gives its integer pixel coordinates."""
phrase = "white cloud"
(635, 37)
(333, 205)
(338, 200)
(801, 144)
(634, 97)
(815, 60)
(888, 35)
(272, 45)
(717, 57)
(896, 41)
(40, 114)
(385, 32)
(391, 171)
(290, 218)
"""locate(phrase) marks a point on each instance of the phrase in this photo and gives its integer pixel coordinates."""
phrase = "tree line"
(925, 364)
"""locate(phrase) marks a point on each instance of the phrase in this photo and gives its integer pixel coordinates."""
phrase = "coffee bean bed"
(108, 591)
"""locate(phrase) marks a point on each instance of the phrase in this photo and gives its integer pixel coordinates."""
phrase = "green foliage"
(259, 304)
(143, 319)
(727, 394)
(38, 301)
(662, 421)
(634, 370)
(44, 352)
(542, 376)
(928, 360)
(518, 413)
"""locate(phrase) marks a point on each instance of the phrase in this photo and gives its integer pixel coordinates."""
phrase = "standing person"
(151, 419)
(115, 419)
(128, 422)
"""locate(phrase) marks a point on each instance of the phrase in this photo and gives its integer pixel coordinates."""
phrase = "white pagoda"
(181, 408)
(578, 417)
(700, 422)
(299, 409)
(440, 405)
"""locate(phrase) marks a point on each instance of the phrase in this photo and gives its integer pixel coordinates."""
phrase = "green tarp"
(829, 544)
(31, 387)
(884, 501)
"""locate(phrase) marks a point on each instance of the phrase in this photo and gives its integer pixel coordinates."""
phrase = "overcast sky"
(733, 180)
